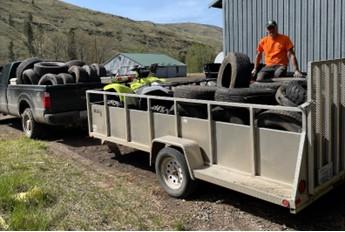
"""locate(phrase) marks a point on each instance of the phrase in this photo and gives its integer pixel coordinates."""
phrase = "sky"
(157, 11)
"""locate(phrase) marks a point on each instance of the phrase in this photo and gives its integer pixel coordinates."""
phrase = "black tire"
(169, 162)
(29, 77)
(75, 63)
(280, 120)
(26, 64)
(50, 79)
(31, 128)
(231, 115)
(100, 70)
(43, 68)
(92, 72)
(266, 85)
(297, 92)
(282, 99)
(194, 92)
(66, 78)
(246, 95)
(79, 74)
(235, 71)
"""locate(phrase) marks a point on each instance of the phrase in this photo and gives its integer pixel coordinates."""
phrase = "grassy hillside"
(57, 30)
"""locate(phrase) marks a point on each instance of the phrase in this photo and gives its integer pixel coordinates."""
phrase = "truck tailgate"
(66, 98)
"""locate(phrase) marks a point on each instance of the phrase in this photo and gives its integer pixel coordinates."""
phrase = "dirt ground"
(211, 207)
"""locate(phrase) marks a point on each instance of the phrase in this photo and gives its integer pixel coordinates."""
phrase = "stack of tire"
(34, 71)
(233, 85)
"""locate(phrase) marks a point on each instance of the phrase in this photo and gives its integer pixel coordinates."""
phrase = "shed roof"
(149, 59)
(216, 4)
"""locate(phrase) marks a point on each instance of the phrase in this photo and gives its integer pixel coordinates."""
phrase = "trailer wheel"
(280, 120)
(173, 174)
(31, 128)
(235, 71)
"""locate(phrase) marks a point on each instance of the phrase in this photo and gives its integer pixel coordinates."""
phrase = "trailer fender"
(190, 149)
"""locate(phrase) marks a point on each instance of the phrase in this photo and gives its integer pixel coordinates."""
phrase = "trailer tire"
(31, 128)
(26, 64)
(235, 71)
(43, 68)
(266, 85)
(231, 115)
(66, 78)
(75, 63)
(281, 120)
(79, 74)
(246, 95)
(50, 79)
(297, 92)
(29, 76)
(173, 173)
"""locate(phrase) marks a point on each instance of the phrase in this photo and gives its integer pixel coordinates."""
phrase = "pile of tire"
(34, 71)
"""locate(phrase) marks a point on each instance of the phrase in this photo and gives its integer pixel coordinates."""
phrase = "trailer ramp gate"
(326, 123)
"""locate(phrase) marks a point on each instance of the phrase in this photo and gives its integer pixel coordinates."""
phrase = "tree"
(11, 55)
(71, 45)
(198, 55)
(28, 32)
(10, 20)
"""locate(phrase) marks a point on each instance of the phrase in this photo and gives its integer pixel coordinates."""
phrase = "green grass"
(72, 196)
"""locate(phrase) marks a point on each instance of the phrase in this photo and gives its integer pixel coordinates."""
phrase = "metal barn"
(317, 27)
(167, 66)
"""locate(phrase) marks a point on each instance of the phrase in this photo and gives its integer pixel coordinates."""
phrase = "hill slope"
(64, 31)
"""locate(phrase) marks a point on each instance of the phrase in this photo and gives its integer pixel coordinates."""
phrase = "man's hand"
(298, 74)
(254, 72)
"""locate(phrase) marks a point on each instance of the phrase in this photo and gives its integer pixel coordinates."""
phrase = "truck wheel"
(235, 71)
(281, 120)
(75, 63)
(43, 68)
(26, 64)
(79, 74)
(31, 128)
(173, 174)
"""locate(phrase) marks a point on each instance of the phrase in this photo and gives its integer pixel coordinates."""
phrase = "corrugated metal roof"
(216, 4)
(149, 59)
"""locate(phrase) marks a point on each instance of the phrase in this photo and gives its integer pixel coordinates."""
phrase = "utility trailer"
(291, 169)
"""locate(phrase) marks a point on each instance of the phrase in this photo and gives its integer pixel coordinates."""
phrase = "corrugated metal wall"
(317, 27)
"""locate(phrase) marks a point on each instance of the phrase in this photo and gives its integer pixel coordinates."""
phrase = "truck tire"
(246, 95)
(50, 79)
(100, 70)
(234, 115)
(66, 78)
(266, 85)
(194, 92)
(235, 71)
(75, 63)
(29, 77)
(91, 71)
(26, 64)
(173, 174)
(43, 68)
(79, 74)
(31, 128)
(281, 120)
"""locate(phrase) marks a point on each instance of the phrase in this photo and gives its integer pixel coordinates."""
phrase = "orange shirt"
(275, 50)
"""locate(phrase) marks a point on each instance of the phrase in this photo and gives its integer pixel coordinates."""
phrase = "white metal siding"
(317, 27)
